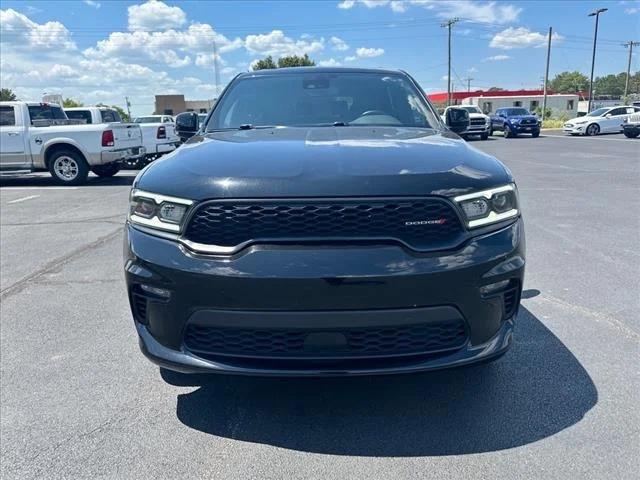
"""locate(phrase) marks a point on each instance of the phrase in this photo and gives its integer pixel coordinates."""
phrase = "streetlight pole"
(595, 13)
(546, 76)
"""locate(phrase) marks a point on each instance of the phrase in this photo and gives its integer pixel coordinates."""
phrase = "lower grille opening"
(344, 343)
(511, 301)
(139, 303)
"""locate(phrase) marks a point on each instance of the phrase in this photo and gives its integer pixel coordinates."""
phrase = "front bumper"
(518, 129)
(167, 147)
(320, 289)
(479, 129)
(573, 129)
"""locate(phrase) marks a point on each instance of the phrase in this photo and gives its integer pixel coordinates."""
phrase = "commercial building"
(175, 104)
(489, 101)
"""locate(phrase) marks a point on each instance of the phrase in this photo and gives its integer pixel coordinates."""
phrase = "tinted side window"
(7, 116)
(46, 112)
(618, 111)
(80, 115)
(109, 116)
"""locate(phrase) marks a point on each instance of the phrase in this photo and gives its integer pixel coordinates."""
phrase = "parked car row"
(39, 137)
(71, 142)
(601, 120)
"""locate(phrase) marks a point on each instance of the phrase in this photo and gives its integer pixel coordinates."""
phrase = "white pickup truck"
(38, 137)
(158, 135)
(91, 115)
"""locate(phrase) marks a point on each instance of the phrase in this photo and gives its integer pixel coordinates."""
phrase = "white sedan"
(602, 120)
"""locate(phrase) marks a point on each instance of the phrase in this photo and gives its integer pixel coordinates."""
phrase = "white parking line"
(23, 199)
(37, 188)
(600, 139)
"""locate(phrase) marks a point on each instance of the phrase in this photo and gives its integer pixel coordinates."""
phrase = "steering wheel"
(373, 112)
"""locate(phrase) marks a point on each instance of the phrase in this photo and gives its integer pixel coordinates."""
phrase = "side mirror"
(187, 124)
(608, 115)
(457, 120)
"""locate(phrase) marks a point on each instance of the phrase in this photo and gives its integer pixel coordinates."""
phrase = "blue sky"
(100, 51)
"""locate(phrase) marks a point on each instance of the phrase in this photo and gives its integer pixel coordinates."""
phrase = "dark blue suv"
(514, 121)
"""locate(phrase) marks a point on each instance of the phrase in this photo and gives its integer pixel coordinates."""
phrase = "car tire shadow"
(536, 390)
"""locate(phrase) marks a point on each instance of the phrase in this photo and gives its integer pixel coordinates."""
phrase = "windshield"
(471, 109)
(513, 112)
(322, 99)
(147, 120)
(598, 112)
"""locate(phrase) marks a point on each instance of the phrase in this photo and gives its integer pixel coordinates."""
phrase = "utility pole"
(546, 76)
(629, 44)
(216, 68)
(595, 13)
(448, 24)
(128, 104)
(468, 79)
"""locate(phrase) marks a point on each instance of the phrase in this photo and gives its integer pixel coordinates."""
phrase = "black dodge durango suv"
(324, 221)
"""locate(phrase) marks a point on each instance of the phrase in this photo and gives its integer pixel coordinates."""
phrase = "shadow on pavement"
(44, 180)
(536, 390)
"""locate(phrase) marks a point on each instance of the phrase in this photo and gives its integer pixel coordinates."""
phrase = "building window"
(487, 107)
(570, 105)
(168, 111)
(517, 103)
(533, 105)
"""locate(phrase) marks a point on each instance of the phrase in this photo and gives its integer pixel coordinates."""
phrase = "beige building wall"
(175, 104)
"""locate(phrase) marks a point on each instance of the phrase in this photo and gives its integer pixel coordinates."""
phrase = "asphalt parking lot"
(79, 400)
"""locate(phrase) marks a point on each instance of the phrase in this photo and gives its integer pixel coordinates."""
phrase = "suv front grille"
(477, 121)
(346, 342)
(422, 224)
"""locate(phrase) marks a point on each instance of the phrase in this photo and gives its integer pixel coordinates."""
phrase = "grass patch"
(553, 123)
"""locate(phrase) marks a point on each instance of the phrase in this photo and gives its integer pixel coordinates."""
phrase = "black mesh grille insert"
(511, 301)
(139, 306)
(477, 121)
(375, 341)
(423, 224)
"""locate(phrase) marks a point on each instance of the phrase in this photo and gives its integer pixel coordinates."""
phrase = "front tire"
(593, 129)
(535, 134)
(484, 136)
(68, 167)
(631, 134)
(106, 171)
(507, 132)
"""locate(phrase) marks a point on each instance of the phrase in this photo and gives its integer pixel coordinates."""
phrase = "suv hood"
(322, 162)
(477, 115)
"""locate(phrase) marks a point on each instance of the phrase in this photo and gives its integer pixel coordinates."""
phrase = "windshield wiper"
(250, 126)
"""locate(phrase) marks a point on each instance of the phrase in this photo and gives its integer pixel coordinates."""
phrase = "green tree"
(295, 61)
(610, 84)
(122, 113)
(265, 64)
(7, 95)
(283, 62)
(569, 82)
(70, 103)
(120, 110)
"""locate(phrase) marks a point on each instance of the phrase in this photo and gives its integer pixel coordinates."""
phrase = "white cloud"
(339, 44)
(332, 62)
(155, 15)
(92, 3)
(472, 70)
(470, 10)
(172, 47)
(22, 33)
(346, 4)
(364, 52)
(497, 58)
(277, 44)
(521, 37)
(631, 11)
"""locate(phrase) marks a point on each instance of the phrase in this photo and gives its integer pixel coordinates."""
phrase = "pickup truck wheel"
(631, 134)
(593, 129)
(484, 136)
(108, 170)
(535, 134)
(68, 167)
(507, 132)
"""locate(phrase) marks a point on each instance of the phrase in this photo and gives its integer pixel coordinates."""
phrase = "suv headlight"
(489, 206)
(157, 211)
